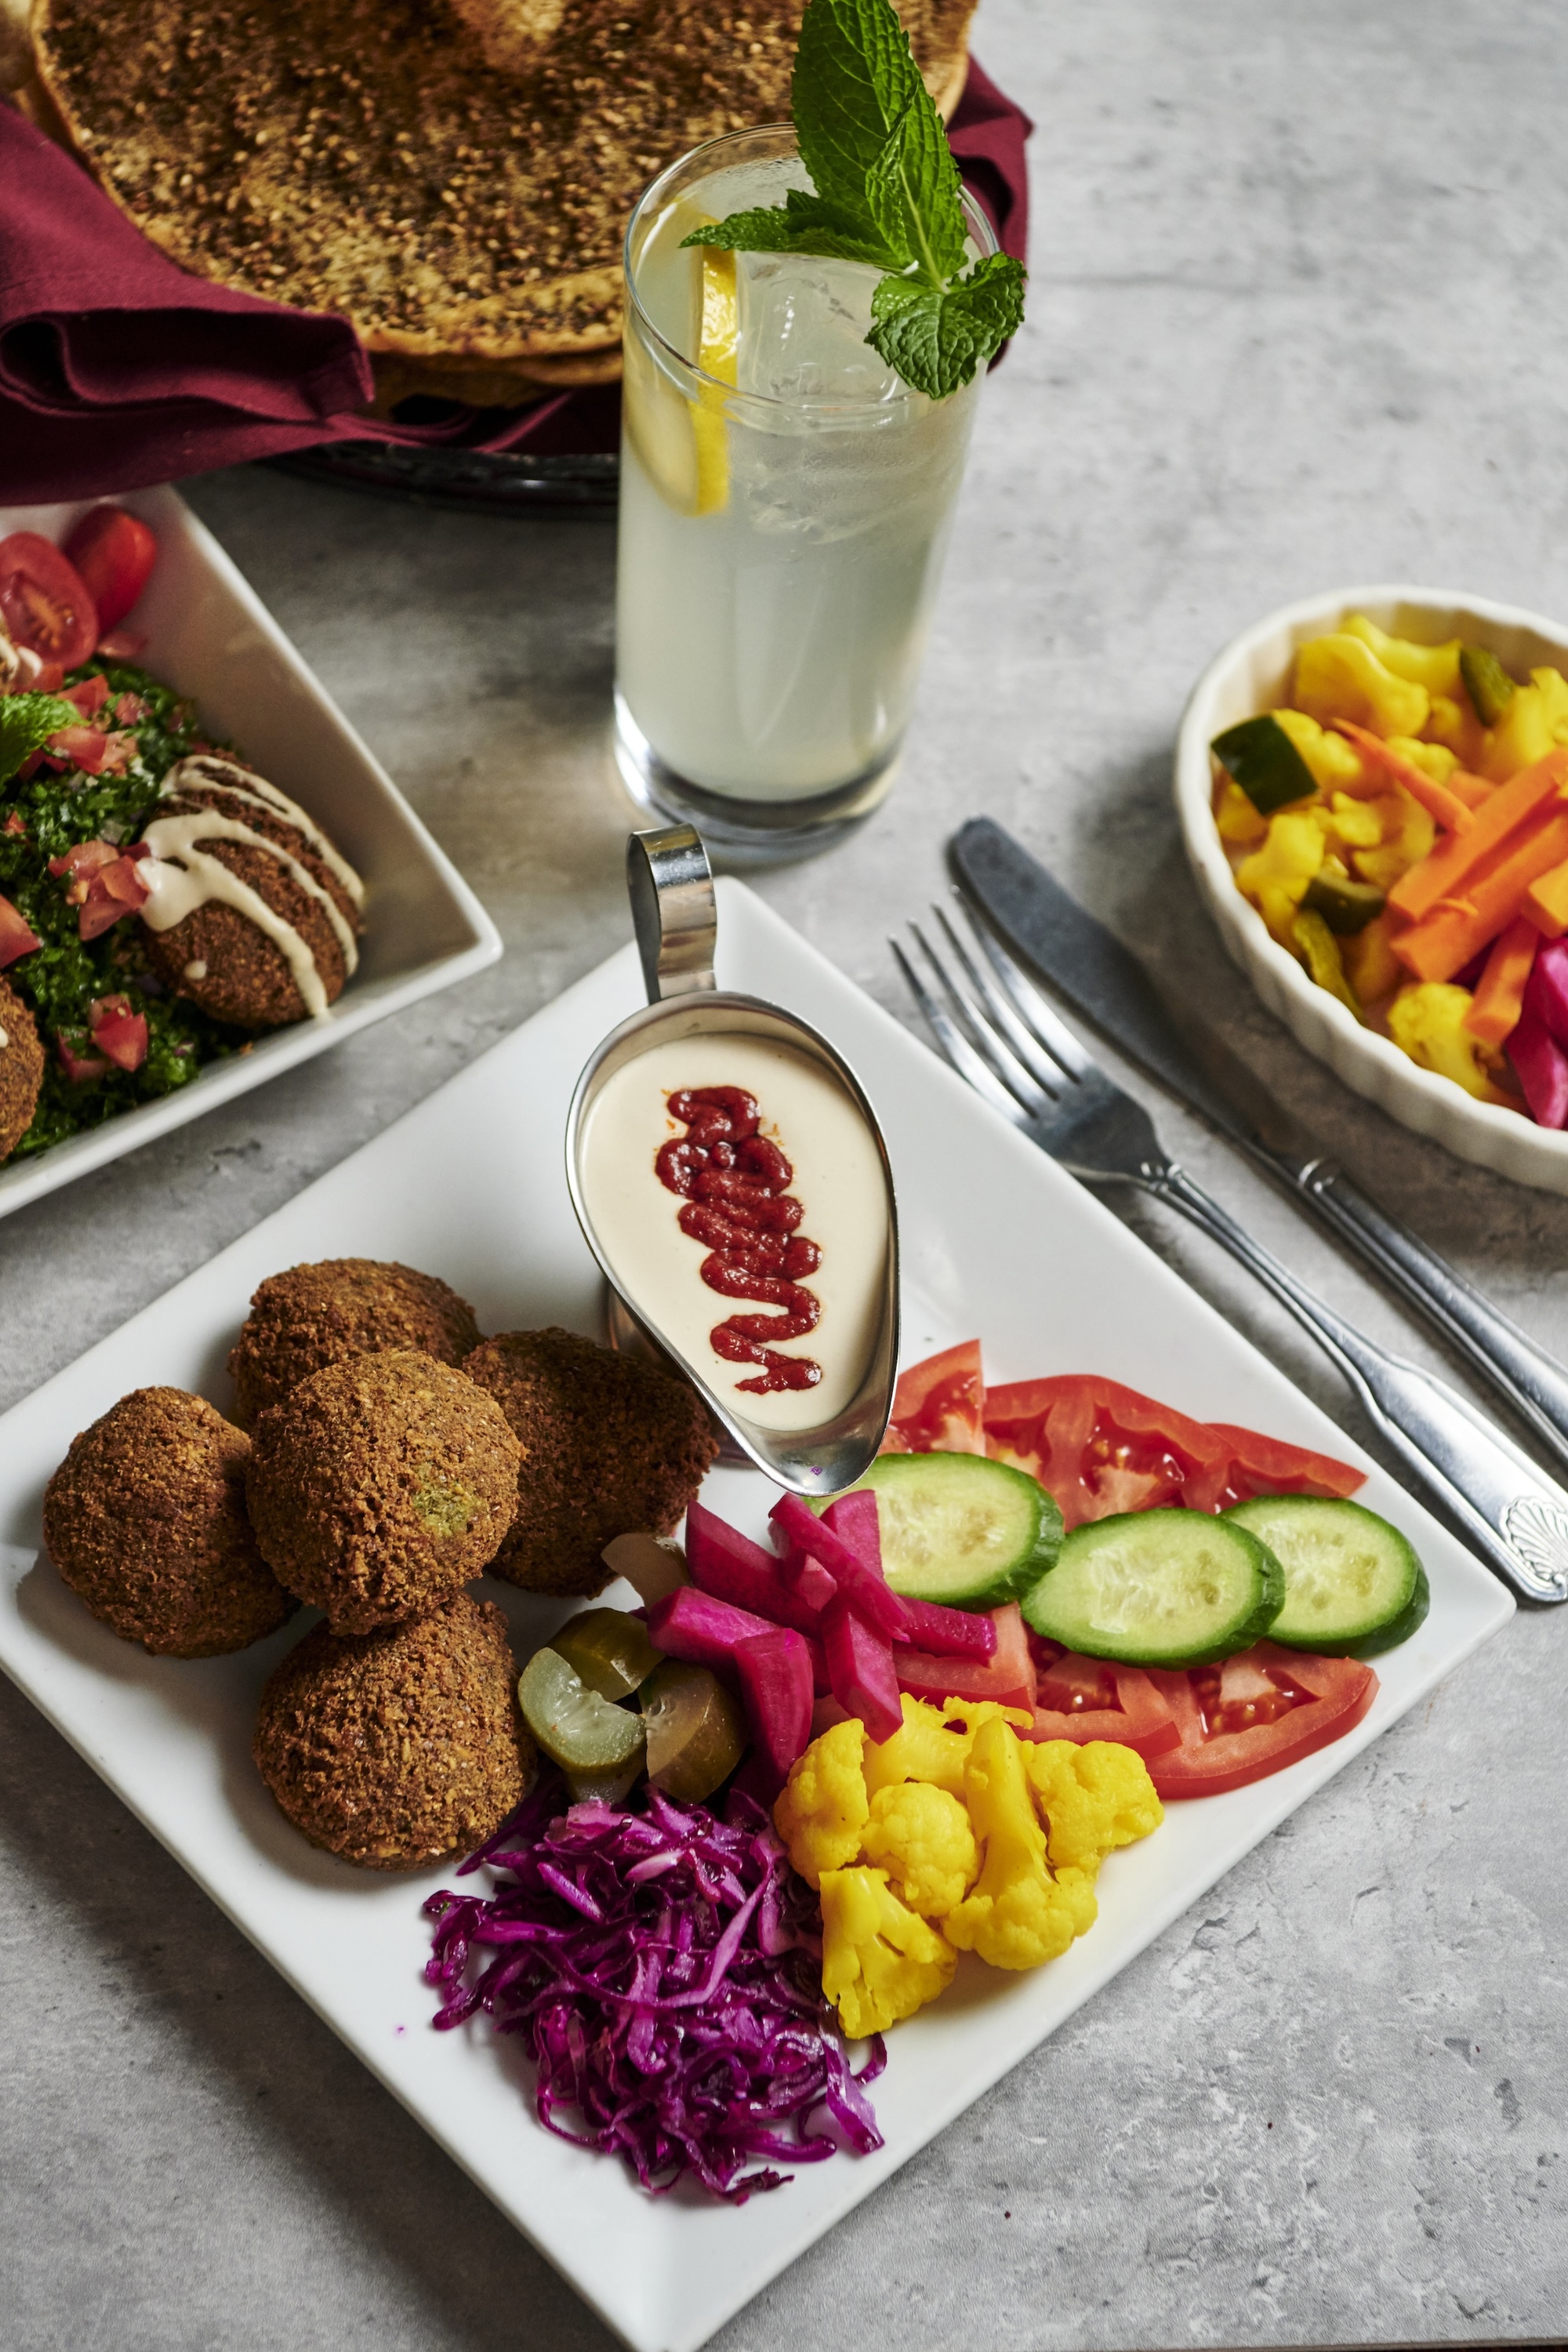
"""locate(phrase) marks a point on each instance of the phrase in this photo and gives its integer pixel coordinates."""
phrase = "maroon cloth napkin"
(118, 368)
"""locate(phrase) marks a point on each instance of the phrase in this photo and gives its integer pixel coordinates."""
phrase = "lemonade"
(785, 502)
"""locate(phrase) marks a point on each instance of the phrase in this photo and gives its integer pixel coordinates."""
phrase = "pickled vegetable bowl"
(1401, 824)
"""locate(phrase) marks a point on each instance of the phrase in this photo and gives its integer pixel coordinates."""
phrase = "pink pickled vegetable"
(664, 1971)
(1542, 1065)
(732, 1568)
(776, 1684)
(1008, 1678)
(860, 1667)
(855, 1517)
(876, 1601)
(1546, 995)
(807, 1579)
(693, 1625)
(949, 1633)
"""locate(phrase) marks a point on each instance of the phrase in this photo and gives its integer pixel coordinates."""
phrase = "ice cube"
(803, 330)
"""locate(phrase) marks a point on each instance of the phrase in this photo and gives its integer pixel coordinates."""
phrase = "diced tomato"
(120, 1031)
(939, 1405)
(114, 553)
(80, 1066)
(1092, 1698)
(45, 602)
(89, 693)
(17, 937)
(84, 857)
(122, 645)
(1271, 1466)
(129, 709)
(1008, 1678)
(1229, 1744)
(16, 824)
(113, 892)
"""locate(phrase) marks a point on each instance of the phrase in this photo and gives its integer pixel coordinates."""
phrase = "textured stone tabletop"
(1295, 321)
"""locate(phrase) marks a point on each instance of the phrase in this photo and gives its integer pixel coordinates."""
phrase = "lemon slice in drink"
(716, 356)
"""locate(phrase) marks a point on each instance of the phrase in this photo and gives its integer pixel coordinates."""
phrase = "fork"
(1000, 1034)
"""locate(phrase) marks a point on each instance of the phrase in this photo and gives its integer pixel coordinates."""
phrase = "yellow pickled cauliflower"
(1339, 677)
(823, 1810)
(1017, 1915)
(880, 1962)
(926, 1749)
(1094, 1797)
(1427, 1021)
(921, 1836)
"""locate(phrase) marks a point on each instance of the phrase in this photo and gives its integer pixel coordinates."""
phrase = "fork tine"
(956, 1045)
(993, 1048)
(1025, 1044)
(1038, 1014)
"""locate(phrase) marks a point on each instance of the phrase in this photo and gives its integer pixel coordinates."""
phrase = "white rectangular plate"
(471, 1185)
(209, 634)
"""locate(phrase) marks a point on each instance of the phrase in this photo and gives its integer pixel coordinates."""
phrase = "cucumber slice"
(1158, 1589)
(1265, 763)
(1354, 1586)
(959, 1528)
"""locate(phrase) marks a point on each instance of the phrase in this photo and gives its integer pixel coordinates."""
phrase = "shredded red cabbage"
(665, 1968)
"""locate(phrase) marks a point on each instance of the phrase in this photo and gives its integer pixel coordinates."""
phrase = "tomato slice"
(114, 553)
(1328, 1697)
(939, 1405)
(1093, 1698)
(44, 601)
(1270, 1465)
(1007, 1676)
(1100, 1447)
(17, 937)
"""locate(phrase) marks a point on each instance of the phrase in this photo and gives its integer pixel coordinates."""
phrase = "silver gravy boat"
(676, 919)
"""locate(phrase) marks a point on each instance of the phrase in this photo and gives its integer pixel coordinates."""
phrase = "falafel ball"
(145, 1520)
(397, 1748)
(218, 955)
(610, 1443)
(317, 1314)
(21, 1069)
(379, 1484)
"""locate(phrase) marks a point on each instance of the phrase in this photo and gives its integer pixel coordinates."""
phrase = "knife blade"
(1102, 979)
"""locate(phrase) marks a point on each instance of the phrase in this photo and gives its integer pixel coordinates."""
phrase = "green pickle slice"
(582, 1731)
(609, 1650)
(1486, 683)
(1346, 905)
(1264, 761)
(696, 1731)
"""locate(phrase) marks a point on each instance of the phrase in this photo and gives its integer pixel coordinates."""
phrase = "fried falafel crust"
(145, 1520)
(397, 1748)
(316, 1315)
(21, 1069)
(610, 1443)
(379, 1484)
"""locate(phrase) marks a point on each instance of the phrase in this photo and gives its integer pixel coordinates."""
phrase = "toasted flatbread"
(453, 175)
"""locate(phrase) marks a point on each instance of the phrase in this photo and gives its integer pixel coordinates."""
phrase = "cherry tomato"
(114, 553)
(1327, 1698)
(44, 601)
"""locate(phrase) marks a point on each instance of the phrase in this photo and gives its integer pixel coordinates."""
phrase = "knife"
(1105, 982)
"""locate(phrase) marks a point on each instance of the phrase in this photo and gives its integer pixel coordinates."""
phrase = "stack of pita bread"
(453, 175)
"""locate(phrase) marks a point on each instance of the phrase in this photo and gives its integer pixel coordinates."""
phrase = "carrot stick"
(1474, 791)
(1455, 861)
(1446, 808)
(1546, 903)
(1460, 926)
(1500, 998)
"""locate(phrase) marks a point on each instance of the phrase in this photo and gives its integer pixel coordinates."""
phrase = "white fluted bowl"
(1250, 676)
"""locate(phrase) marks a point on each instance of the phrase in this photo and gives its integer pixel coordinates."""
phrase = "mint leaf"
(886, 194)
(27, 722)
(937, 336)
(802, 223)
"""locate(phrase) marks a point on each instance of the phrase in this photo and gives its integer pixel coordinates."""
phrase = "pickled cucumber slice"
(1486, 683)
(696, 1731)
(1320, 952)
(1354, 1585)
(1167, 1588)
(582, 1731)
(610, 1651)
(960, 1528)
(1346, 905)
(1265, 763)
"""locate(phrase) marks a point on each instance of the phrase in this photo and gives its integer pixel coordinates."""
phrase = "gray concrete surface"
(1295, 321)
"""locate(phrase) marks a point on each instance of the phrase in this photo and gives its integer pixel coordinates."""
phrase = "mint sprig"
(887, 192)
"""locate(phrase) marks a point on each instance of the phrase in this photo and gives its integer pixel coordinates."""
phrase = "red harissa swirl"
(735, 1185)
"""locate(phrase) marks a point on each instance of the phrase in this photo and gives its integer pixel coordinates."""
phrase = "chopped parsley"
(42, 817)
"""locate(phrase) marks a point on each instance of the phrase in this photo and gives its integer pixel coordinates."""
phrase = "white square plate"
(473, 1186)
(209, 634)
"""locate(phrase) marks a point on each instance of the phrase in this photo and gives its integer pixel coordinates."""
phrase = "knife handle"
(1535, 1386)
(1513, 1515)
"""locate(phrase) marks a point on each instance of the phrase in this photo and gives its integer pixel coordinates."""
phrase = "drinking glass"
(784, 511)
